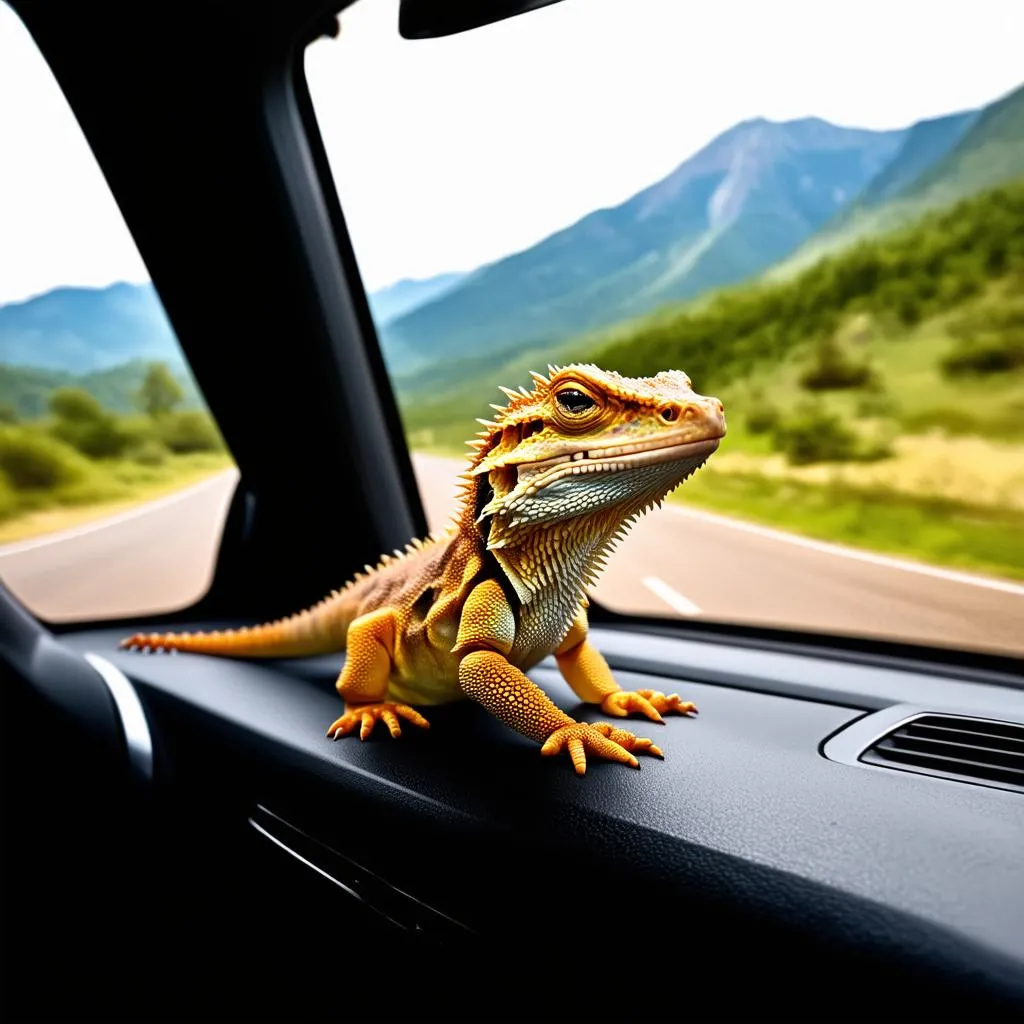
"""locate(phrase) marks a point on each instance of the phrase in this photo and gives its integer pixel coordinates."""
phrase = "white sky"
(449, 153)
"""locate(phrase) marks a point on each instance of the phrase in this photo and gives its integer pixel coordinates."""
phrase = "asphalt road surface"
(675, 561)
(152, 558)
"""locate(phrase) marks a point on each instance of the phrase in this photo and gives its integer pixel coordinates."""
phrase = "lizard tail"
(317, 630)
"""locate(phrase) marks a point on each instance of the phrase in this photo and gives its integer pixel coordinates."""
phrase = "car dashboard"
(761, 832)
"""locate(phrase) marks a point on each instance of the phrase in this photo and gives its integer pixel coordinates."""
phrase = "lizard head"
(588, 444)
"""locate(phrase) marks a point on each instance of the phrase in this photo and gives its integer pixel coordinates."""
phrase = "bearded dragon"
(554, 481)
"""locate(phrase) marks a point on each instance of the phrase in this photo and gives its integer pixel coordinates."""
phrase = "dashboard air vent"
(976, 750)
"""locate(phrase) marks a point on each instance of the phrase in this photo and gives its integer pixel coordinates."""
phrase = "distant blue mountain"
(404, 296)
(85, 329)
(925, 144)
(941, 161)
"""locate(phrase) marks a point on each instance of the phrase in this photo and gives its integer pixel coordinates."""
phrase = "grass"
(938, 531)
(917, 396)
(925, 467)
(112, 486)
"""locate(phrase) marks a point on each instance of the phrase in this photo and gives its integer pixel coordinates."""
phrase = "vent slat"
(970, 751)
(951, 763)
(960, 748)
(1008, 729)
(984, 739)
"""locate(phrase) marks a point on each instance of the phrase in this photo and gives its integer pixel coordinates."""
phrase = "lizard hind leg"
(363, 682)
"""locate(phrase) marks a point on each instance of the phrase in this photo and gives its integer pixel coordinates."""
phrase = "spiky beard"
(538, 556)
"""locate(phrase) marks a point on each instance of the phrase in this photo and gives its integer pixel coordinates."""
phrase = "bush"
(85, 425)
(832, 370)
(984, 356)
(987, 341)
(762, 416)
(76, 405)
(97, 439)
(8, 413)
(148, 453)
(815, 435)
(191, 431)
(8, 498)
(31, 460)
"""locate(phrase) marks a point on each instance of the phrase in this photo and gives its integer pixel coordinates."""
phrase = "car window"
(820, 219)
(114, 479)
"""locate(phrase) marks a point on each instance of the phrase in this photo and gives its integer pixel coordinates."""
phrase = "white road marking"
(18, 547)
(671, 597)
(862, 556)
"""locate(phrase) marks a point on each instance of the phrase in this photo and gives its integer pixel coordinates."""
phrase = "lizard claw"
(651, 703)
(602, 740)
(366, 716)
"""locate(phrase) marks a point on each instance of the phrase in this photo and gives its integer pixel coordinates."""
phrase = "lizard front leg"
(584, 668)
(370, 647)
(486, 634)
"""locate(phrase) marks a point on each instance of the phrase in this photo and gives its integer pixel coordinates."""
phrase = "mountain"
(940, 162)
(926, 143)
(745, 200)
(991, 153)
(404, 296)
(84, 329)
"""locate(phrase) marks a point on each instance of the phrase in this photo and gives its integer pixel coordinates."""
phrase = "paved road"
(153, 558)
(675, 561)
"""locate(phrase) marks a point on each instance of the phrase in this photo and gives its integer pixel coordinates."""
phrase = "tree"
(160, 392)
(75, 405)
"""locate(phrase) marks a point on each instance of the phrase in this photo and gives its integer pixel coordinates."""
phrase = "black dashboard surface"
(744, 807)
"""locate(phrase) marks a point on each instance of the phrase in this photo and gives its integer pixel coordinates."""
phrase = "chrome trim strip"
(391, 903)
(309, 864)
(133, 718)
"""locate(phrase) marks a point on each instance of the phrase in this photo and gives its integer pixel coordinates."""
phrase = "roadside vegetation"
(875, 399)
(83, 454)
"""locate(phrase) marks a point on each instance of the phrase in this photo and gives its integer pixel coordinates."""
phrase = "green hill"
(935, 265)
(946, 262)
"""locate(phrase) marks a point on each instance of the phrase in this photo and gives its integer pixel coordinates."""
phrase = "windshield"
(818, 218)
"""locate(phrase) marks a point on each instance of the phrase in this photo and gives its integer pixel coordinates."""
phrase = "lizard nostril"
(669, 413)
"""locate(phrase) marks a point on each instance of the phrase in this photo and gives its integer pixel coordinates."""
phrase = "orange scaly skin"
(555, 480)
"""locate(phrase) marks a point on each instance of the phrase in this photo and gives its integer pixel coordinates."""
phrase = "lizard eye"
(574, 401)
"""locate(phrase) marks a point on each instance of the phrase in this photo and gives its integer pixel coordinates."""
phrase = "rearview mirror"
(427, 19)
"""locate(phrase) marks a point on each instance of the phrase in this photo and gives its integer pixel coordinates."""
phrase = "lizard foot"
(602, 740)
(366, 717)
(652, 703)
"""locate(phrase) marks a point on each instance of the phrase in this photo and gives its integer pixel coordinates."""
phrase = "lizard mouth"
(639, 454)
(617, 458)
(636, 453)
